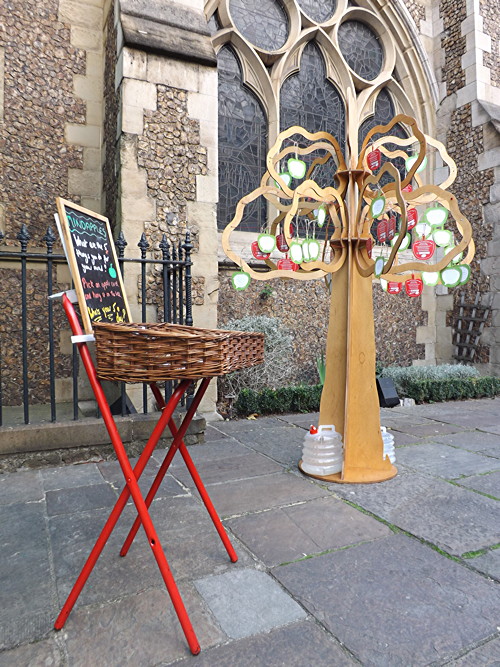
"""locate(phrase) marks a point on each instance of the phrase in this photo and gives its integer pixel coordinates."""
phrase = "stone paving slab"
(26, 586)
(112, 473)
(489, 484)
(454, 518)
(214, 451)
(431, 429)
(213, 433)
(301, 420)
(394, 601)
(258, 493)
(80, 499)
(295, 645)
(489, 563)
(290, 533)
(282, 444)
(474, 441)
(140, 629)
(487, 654)
(68, 476)
(229, 468)
(444, 461)
(403, 439)
(44, 653)
(248, 602)
(489, 428)
(240, 426)
(21, 487)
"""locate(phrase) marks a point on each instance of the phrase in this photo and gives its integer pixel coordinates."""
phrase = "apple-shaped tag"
(465, 270)
(404, 243)
(266, 242)
(430, 279)
(408, 188)
(320, 215)
(414, 287)
(240, 280)
(374, 159)
(286, 178)
(451, 276)
(393, 287)
(437, 215)
(410, 161)
(424, 249)
(382, 231)
(257, 252)
(379, 266)
(411, 217)
(391, 228)
(296, 254)
(442, 237)
(313, 248)
(458, 258)
(296, 168)
(423, 229)
(286, 265)
(377, 207)
(281, 243)
(383, 284)
(369, 246)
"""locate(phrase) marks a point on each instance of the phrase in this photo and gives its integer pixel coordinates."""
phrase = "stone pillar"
(167, 82)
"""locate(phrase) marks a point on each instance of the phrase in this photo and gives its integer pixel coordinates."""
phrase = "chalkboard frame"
(62, 206)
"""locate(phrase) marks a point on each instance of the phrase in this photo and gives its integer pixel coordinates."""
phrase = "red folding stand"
(132, 487)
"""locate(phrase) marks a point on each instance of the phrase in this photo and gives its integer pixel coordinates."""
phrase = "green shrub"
(437, 390)
(405, 377)
(302, 398)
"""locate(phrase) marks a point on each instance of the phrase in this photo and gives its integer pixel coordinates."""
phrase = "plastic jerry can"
(388, 439)
(322, 453)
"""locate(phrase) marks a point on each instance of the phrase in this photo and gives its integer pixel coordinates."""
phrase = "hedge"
(306, 398)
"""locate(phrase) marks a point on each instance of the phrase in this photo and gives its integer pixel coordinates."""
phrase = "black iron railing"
(20, 372)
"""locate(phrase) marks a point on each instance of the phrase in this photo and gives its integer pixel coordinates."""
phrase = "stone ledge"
(85, 433)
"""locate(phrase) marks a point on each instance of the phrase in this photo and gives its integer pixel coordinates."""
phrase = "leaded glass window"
(319, 11)
(361, 49)
(263, 22)
(310, 100)
(242, 144)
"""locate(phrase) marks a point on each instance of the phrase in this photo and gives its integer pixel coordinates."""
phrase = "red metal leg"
(178, 443)
(135, 492)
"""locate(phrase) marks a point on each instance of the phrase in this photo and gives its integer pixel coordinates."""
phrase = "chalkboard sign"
(93, 263)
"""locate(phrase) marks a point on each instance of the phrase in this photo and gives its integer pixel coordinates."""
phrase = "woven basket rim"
(166, 329)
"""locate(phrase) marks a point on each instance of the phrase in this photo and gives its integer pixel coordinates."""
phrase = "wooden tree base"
(359, 476)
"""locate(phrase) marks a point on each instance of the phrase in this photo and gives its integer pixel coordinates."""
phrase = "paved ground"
(402, 573)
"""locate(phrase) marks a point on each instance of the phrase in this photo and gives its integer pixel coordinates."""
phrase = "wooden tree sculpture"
(328, 232)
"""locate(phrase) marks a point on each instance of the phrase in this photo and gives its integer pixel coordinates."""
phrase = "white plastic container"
(322, 453)
(388, 439)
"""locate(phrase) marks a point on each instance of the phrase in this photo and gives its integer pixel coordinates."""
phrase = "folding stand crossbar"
(132, 476)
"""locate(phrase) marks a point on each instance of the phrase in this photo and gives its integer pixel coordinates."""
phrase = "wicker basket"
(131, 352)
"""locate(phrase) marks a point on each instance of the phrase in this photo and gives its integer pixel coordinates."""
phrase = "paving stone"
(213, 451)
(45, 653)
(490, 428)
(304, 421)
(474, 441)
(138, 630)
(252, 464)
(454, 518)
(489, 563)
(444, 461)
(294, 645)
(80, 499)
(19, 487)
(489, 484)
(290, 533)
(113, 474)
(247, 602)
(282, 444)
(488, 654)
(68, 476)
(430, 429)
(240, 426)
(213, 433)
(402, 439)
(258, 493)
(395, 601)
(26, 585)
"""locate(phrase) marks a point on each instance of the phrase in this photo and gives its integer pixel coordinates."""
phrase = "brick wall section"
(453, 12)
(490, 11)
(38, 100)
(417, 11)
(111, 106)
(169, 150)
(472, 188)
